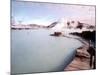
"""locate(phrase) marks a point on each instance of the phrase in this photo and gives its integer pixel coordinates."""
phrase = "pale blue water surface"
(34, 51)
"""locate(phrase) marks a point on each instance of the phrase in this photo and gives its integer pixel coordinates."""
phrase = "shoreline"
(82, 57)
(80, 61)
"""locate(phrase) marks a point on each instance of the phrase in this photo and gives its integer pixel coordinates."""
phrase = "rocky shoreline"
(85, 58)
(81, 60)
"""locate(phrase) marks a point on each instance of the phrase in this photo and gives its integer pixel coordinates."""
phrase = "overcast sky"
(46, 13)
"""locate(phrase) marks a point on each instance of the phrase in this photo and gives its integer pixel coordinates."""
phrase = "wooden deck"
(81, 60)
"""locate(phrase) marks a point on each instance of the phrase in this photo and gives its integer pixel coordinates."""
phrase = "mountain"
(62, 24)
(52, 25)
(70, 24)
(28, 26)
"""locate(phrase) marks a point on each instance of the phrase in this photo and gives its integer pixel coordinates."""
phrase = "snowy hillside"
(66, 25)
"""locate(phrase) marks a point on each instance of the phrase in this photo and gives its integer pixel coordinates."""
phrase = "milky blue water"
(34, 51)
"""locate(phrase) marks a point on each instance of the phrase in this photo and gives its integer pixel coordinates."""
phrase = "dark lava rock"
(56, 34)
(88, 35)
